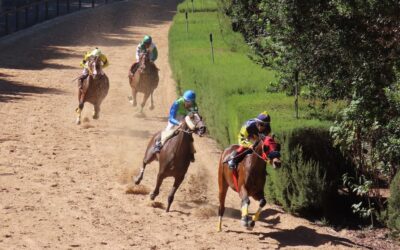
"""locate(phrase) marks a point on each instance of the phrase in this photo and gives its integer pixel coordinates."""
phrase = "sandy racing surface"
(63, 186)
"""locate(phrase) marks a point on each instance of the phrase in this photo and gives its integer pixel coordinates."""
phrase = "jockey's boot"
(157, 147)
(232, 163)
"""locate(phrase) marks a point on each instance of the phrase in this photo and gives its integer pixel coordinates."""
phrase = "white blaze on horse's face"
(190, 123)
(94, 68)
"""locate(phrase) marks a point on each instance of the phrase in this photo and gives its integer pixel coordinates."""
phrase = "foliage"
(339, 50)
(231, 90)
(309, 179)
(198, 6)
(394, 204)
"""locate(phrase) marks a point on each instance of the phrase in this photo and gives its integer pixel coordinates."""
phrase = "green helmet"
(147, 39)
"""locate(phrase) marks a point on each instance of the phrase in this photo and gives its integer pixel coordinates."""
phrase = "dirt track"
(63, 185)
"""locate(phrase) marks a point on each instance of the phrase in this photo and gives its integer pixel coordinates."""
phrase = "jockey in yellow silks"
(84, 63)
(249, 133)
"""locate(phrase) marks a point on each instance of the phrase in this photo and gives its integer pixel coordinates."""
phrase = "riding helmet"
(189, 96)
(96, 52)
(264, 117)
(147, 39)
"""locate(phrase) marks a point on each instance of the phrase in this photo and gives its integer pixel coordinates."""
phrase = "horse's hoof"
(151, 107)
(138, 180)
(96, 117)
(251, 223)
(152, 196)
(78, 122)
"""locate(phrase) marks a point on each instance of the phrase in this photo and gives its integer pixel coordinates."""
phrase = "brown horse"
(249, 178)
(144, 80)
(94, 88)
(174, 158)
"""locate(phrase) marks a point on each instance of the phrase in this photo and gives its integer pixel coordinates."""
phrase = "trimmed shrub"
(308, 182)
(394, 204)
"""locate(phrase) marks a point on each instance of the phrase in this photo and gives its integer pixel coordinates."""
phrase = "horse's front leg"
(177, 183)
(262, 203)
(156, 191)
(145, 97)
(96, 111)
(134, 92)
(152, 102)
(81, 100)
(245, 220)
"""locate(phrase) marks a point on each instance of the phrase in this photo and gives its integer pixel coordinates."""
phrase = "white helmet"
(96, 52)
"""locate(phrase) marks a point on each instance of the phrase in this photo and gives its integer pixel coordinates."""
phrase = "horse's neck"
(182, 139)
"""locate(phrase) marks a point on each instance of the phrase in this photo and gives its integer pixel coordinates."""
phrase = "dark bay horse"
(174, 157)
(144, 80)
(94, 88)
(249, 178)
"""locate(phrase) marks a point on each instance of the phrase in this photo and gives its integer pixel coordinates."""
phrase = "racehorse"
(175, 156)
(249, 177)
(143, 77)
(94, 88)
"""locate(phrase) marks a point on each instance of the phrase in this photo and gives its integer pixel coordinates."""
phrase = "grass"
(233, 89)
(198, 6)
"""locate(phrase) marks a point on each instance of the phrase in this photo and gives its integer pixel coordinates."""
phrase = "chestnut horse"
(94, 88)
(174, 157)
(249, 177)
(144, 80)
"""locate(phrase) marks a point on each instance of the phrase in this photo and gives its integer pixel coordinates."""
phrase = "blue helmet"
(189, 96)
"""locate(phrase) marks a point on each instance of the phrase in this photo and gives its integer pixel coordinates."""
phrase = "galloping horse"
(94, 88)
(174, 157)
(249, 178)
(144, 80)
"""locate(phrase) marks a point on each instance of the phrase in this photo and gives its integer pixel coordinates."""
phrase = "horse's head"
(271, 151)
(95, 67)
(144, 61)
(194, 123)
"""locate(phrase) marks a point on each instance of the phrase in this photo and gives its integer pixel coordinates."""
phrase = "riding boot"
(232, 163)
(157, 147)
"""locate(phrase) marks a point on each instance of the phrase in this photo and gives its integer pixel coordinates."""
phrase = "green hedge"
(394, 204)
(311, 173)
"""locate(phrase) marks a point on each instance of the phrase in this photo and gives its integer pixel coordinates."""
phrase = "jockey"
(94, 53)
(179, 110)
(249, 133)
(147, 45)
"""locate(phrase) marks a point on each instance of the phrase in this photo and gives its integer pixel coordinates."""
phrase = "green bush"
(311, 173)
(394, 204)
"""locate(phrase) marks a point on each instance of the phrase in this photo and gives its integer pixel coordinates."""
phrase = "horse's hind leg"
(262, 203)
(177, 183)
(148, 158)
(223, 189)
(160, 178)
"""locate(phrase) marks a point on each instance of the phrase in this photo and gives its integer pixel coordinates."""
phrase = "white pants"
(170, 130)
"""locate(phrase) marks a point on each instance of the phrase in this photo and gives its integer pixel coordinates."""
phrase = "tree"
(346, 50)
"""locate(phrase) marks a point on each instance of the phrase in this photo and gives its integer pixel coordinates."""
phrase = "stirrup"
(157, 147)
(232, 164)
